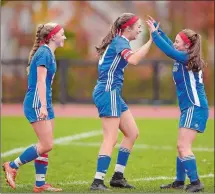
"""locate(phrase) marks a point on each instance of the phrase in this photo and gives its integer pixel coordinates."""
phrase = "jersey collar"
(50, 50)
(125, 38)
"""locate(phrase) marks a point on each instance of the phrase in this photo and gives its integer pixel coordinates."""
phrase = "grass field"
(72, 162)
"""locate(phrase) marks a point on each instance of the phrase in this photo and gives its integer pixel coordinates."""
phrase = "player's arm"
(171, 52)
(42, 62)
(163, 35)
(126, 53)
(135, 57)
(41, 84)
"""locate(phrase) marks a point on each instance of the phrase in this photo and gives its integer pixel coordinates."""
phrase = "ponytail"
(35, 46)
(195, 63)
(108, 38)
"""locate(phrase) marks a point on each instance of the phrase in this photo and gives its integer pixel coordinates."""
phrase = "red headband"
(129, 22)
(53, 32)
(184, 38)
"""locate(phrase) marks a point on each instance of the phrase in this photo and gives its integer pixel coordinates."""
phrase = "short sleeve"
(122, 44)
(43, 58)
(126, 53)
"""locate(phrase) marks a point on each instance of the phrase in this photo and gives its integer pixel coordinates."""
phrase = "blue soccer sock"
(27, 156)
(189, 163)
(180, 172)
(122, 159)
(102, 166)
(41, 164)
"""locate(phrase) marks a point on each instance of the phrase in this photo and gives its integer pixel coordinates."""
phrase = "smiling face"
(59, 38)
(179, 44)
(135, 30)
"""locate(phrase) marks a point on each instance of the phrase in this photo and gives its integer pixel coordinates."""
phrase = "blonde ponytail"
(35, 46)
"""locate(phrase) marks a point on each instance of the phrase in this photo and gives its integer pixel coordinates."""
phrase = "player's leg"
(44, 133)
(130, 131)
(179, 181)
(188, 160)
(41, 165)
(110, 133)
(192, 120)
(106, 103)
(180, 171)
(196, 119)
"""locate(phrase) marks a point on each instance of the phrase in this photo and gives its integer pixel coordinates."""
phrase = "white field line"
(58, 141)
(211, 175)
(67, 140)
(138, 146)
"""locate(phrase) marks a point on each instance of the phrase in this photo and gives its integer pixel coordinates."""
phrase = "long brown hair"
(113, 31)
(195, 63)
(41, 33)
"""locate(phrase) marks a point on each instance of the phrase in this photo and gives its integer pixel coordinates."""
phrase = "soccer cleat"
(98, 185)
(118, 180)
(10, 174)
(174, 185)
(46, 187)
(191, 188)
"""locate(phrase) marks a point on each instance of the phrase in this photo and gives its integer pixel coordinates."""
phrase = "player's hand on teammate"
(43, 113)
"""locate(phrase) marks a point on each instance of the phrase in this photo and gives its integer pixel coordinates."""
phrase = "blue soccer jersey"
(42, 57)
(189, 85)
(112, 64)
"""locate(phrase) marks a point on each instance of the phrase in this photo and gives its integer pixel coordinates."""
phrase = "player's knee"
(46, 147)
(181, 147)
(134, 135)
(113, 142)
(110, 141)
(49, 146)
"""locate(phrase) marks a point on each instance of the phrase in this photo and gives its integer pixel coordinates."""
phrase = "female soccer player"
(193, 104)
(115, 53)
(37, 105)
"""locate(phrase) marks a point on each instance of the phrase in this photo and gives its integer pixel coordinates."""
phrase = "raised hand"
(157, 26)
(151, 18)
(151, 26)
(153, 21)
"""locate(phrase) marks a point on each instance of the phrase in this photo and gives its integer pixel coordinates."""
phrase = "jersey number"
(52, 78)
(200, 77)
(103, 56)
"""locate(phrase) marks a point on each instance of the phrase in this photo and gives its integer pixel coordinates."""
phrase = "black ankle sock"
(98, 181)
(197, 182)
(118, 175)
(180, 182)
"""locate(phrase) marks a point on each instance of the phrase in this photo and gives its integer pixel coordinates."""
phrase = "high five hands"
(150, 22)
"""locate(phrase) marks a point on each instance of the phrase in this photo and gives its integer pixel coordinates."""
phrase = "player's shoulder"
(120, 39)
(43, 51)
